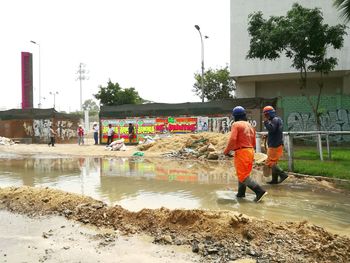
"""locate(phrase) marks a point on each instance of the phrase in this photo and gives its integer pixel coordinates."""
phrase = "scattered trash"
(147, 143)
(117, 145)
(138, 154)
(6, 141)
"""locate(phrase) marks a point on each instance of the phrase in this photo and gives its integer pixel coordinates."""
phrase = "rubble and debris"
(6, 141)
(117, 145)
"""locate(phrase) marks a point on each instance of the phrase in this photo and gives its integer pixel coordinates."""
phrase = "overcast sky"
(150, 45)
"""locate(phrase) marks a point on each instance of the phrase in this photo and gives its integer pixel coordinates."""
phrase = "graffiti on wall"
(219, 124)
(338, 120)
(65, 129)
(40, 128)
(28, 128)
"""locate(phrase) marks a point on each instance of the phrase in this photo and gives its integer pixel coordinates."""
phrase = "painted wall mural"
(338, 120)
(151, 126)
(147, 127)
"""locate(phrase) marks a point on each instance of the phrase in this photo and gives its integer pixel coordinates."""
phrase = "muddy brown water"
(153, 183)
(56, 239)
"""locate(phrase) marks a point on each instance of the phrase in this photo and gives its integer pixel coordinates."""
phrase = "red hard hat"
(268, 108)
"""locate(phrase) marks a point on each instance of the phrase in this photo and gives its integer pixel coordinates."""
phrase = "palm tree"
(344, 7)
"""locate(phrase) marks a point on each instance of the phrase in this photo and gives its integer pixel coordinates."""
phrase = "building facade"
(265, 78)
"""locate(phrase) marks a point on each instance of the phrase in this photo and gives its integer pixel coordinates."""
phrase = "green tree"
(113, 94)
(217, 84)
(344, 8)
(302, 37)
(90, 105)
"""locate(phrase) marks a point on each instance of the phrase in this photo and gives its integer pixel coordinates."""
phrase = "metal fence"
(288, 142)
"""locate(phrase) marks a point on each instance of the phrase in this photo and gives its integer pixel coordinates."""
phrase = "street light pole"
(82, 75)
(54, 97)
(202, 54)
(39, 104)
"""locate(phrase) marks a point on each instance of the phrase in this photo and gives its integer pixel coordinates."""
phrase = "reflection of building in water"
(169, 170)
(79, 175)
(126, 167)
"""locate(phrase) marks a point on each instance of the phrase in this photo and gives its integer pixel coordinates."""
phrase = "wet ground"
(55, 239)
(216, 236)
(152, 183)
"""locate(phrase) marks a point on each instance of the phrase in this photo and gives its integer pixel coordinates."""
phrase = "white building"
(258, 78)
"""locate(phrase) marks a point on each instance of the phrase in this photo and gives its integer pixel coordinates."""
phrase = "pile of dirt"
(218, 236)
(206, 145)
(194, 141)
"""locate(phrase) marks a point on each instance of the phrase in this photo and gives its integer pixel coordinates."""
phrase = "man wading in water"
(274, 125)
(242, 142)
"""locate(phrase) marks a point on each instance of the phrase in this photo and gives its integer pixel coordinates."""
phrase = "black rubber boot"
(283, 175)
(279, 173)
(275, 174)
(260, 193)
(257, 189)
(241, 190)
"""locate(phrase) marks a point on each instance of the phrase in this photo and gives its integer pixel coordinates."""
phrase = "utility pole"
(54, 93)
(82, 75)
(202, 60)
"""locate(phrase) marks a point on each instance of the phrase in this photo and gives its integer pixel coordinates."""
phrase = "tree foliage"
(301, 36)
(344, 8)
(217, 84)
(113, 94)
(90, 105)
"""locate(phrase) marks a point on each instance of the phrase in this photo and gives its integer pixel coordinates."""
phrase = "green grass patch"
(307, 161)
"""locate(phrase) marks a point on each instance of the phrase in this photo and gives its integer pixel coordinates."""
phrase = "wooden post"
(328, 148)
(289, 140)
(319, 142)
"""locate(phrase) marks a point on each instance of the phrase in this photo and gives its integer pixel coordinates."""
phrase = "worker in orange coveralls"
(242, 142)
(274, 126)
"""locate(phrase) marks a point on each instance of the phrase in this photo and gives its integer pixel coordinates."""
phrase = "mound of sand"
(206, 145)
(218, 236)
(194, 141)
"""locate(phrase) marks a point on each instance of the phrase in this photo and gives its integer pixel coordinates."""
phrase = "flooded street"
(153, 183)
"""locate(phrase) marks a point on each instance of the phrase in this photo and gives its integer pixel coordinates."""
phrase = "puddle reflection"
(153, 183)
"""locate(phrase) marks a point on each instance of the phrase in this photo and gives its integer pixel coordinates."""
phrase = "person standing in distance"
(242, 142)
(274, 126)
(80, 132)
(131, 131)
(110, 134)
(95, 129)
(52, 135)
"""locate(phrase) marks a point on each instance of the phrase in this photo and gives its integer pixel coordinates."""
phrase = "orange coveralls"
(273, 155)
(242, 141)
